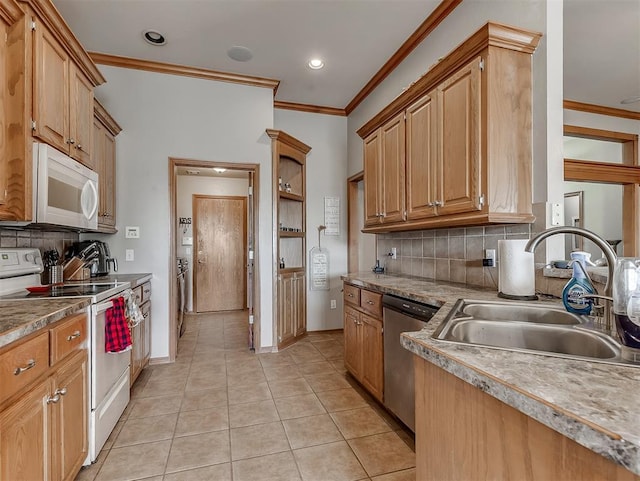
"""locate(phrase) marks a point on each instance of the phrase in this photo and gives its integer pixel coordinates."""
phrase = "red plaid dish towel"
(117, 337)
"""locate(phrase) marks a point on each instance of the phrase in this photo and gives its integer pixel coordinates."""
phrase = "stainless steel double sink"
(527, 327)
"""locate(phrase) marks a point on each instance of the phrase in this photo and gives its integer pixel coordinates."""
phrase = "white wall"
(186, 187)
(166, 116)
(326, 177)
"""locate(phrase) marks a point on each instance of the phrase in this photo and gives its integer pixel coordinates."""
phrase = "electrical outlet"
(128, 255)
(333, 303)
(489, 258)
(394, 253)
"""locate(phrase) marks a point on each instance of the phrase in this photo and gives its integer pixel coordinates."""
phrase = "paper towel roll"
(516, 270)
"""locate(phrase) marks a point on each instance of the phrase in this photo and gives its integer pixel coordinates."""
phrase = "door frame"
(254, 287)
(194, 198)
(352, 221)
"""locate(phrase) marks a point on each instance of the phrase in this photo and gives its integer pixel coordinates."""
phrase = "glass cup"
(626, 305)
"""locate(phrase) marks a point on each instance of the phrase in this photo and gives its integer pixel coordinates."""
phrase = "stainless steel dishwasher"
(401, 315)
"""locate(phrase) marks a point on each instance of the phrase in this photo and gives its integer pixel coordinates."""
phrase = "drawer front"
(137, 295)
(352, 294)
(146, 292)
(22, 364)
(67, 336)
(371, 302)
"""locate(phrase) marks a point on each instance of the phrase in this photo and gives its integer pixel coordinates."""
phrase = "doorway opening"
(214, 224)
(362, 248)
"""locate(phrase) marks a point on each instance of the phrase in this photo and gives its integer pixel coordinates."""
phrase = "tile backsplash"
(453, 255)
(40, 239)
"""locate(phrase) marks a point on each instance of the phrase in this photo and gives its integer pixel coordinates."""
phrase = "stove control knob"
(30, 258)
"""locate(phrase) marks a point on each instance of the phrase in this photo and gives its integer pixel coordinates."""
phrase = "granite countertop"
(594, 404)
(597, 274)
(19, 318)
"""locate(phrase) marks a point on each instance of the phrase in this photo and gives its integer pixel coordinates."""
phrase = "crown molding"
(600, 109)
(109, 122)
(289, 140)
(314, 109)
(173, 69)
(10, 12)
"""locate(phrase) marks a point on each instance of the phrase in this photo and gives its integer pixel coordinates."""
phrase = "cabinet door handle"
(61, 392)
(53, 399)
(370, 303)
(73, 336)
(19, 370)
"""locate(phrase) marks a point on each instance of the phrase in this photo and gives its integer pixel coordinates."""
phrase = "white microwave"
(65, 191)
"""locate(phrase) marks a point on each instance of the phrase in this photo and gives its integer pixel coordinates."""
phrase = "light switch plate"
(129, 256)
(187, 241)
(132, 232)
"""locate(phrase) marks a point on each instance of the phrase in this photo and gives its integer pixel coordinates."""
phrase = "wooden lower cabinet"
(372, 376)
(464, 433)
(43, 435)
(363, 341)
(292, 318)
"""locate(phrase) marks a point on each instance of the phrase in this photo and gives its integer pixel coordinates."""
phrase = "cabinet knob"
(79, 147)
(61, 392)
(438, 203)
(349, 295)
(370, 303)
(53, 399)
(71, 141)
(19, 370)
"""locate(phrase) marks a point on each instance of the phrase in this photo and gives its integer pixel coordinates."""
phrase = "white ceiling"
(354, 37)
(602, 52)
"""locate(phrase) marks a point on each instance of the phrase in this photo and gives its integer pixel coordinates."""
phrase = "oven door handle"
(99, 308)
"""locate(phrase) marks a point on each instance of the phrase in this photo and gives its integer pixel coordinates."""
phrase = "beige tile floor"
(222, 413)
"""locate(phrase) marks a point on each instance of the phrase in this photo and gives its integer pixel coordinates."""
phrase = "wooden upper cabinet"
(384, 173)
(422, 169)
(49, 99)
(80, 116)
(468, 147)
(105, 129)
(372, 201)
(458, 181)
(50, 90)
(63, 99)
(392, 161)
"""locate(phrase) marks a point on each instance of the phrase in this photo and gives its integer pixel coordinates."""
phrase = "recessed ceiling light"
(631, 100)
(316, 63)
(219, 170)
(240, 53)
(154, 37)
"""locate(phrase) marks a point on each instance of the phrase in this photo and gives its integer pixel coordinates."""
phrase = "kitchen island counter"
(594, 404)
(19, 318)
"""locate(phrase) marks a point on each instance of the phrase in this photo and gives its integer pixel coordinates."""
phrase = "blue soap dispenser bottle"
(578, 286)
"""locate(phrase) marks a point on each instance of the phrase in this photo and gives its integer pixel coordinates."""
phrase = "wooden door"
(372, 179)
(421, 151)
(286, 299)
(80, 116)
(392, 173)
(51, 90)
(352, 350)
(459, 141)
(300, 306)
(372, 355)
(70, 417)
(220, 237)
(25, 444)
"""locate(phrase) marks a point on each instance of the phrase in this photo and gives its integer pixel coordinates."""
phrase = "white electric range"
(109, 372)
